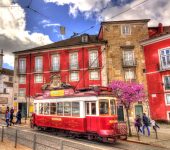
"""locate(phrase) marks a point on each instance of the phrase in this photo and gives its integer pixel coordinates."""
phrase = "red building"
(78, 60)
(157, 59)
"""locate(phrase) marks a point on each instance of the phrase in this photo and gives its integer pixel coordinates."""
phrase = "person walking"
(138, 123)
(7, 117)
(146, 124)
(11, 116)
(154, 125)
(18, 117)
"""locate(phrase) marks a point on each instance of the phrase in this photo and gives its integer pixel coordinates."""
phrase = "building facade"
(125, 59)
(157, 58)
(78, 61)
(6, 86)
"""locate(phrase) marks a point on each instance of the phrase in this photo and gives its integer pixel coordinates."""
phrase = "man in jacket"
(146, 124)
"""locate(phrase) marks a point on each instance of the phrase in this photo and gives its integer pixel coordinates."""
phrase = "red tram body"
(89, 112)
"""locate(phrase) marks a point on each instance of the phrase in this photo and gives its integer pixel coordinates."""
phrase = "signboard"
(63, 92)
(3, 100)
(57, 93)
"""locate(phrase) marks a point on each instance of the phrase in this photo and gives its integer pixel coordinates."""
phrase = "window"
(93, 108)
(46, 109)
(104, 107)
(10, 79)
(35, 108)
(22, 65)
(21, 92)
(38, 78)
(112, 107)
(55, 62)
(90, 108)
(38, 64)
(126, 30)
(167, 82)
(5, 91)
(84, 38)
(168, 99)
(67, 109)
(22, 79)
(93, 59)
(52, 108)
(41, 108)
(74, 60)
(165, 58)
(94, 75)
(74, 76)
(60, 108)
(128, 58)
(75, 109)
(129, 75)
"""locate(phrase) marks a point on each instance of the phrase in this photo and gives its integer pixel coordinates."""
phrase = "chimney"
(1, 59)
(160, 28)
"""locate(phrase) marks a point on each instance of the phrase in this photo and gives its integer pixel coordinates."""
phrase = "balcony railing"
(129, 63)
(74, 66)
(38, 70)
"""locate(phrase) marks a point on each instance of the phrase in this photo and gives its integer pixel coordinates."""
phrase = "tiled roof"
(154, 31)
(125, 21)
(73, 41)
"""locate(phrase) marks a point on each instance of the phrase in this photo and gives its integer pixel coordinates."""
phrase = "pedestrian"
(7, 117)
(146, 124)
(154, 125)
(11, 116)
(138, 123)
(18, 116)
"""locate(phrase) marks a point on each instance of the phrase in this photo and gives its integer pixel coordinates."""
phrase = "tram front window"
(104, 107)
(41, 108)
(52, 108)
(46, 109)
(60, 108)
(67, 109)
(75, 109)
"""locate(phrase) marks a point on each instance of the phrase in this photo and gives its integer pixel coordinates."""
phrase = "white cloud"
(13, 33)
(83, 6)
(51, 25)
(157, 11)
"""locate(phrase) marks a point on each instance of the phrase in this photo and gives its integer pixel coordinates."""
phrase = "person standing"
(7, 117)
(146, 124)
(138, 123)
(11, 116)
(18, 117)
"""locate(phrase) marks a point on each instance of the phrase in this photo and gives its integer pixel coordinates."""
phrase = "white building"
(6, 86)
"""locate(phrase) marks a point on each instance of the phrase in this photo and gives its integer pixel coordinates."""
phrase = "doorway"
(120, 113)
(138, 110)
(23, 108)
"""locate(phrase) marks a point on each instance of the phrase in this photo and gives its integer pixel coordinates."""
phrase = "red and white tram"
(90, 112)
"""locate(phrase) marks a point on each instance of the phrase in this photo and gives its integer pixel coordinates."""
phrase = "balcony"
(129, 63)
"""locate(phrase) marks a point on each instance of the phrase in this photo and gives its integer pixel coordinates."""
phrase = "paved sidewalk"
(162, 141)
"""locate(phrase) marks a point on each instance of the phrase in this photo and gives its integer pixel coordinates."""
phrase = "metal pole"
(16, 138)
(2, 135)
(34, 144)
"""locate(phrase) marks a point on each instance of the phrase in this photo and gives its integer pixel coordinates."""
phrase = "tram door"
(91, 116)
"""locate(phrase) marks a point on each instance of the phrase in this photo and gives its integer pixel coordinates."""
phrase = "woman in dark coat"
(18, 117)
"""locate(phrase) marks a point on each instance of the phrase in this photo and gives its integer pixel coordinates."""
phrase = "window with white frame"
(93, 59)
(55, 61)
(165, 58)
(168, 99)
(38, 64)
(21, 92)
(38, 78)
(126, 29)
(22, 65)
(74, 60)
(167, 82)
(94, 75)
(128, 58)
(74, 76)
(129, 74)
(22, 79)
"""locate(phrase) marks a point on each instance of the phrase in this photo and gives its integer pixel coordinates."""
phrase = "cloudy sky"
(29, 23)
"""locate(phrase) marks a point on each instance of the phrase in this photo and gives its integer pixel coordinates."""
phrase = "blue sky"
(22, 27)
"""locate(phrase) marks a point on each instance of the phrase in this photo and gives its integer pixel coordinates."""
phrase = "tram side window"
(67, 109)
(75, 109)
(60, 108)
(41, 108)
(46, 109)
(104, 107)
(52, 108)
(35, 108)
(112, 107)
(93, 108)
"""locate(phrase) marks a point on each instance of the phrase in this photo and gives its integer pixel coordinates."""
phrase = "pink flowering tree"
(127, 93)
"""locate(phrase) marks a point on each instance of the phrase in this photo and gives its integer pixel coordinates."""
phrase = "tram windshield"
(107, 107)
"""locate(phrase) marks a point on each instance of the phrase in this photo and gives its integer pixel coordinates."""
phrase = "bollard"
(16, 138)
(156, 134)
(2, 135)
(34, 144)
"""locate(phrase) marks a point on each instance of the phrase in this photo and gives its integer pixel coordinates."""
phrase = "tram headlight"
(112, 121)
